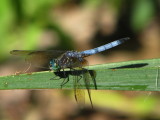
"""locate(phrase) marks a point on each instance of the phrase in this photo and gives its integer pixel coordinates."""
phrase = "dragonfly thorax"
(69, 59)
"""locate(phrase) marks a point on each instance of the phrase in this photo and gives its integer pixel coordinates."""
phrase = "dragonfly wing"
(78, 91)
(87, 78)
(93, 76)
(47, 53)
(38, 58)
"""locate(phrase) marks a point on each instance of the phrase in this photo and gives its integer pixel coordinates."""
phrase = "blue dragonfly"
(60, 60)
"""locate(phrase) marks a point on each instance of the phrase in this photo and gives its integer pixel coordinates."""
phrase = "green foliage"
(140, 75)
(142, 14)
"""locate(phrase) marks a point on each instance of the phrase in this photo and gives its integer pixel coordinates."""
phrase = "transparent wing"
(37, 58)
(78, 91)
(87, 78)
(48, 54)
(93, 76)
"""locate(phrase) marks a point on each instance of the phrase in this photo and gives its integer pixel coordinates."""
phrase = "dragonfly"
(60, 60)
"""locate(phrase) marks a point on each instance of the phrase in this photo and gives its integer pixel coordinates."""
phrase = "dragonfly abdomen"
(104, 47)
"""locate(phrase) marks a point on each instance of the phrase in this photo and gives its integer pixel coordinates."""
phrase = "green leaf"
(140, 75)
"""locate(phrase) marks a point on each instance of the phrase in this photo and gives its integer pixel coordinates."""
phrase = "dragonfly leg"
(64, 72)
(64, 82)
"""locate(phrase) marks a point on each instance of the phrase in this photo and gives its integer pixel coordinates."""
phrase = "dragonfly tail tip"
(127, 38)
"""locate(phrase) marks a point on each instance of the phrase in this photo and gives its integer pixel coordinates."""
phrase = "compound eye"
(50, 62)
(53, 64)
(56, 64)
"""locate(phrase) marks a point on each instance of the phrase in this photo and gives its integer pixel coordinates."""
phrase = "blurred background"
(79, 25)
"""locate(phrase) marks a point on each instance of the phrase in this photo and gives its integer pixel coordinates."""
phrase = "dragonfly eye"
(53, 64)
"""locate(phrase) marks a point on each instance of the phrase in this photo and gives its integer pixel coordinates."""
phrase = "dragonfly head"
(53, 64)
